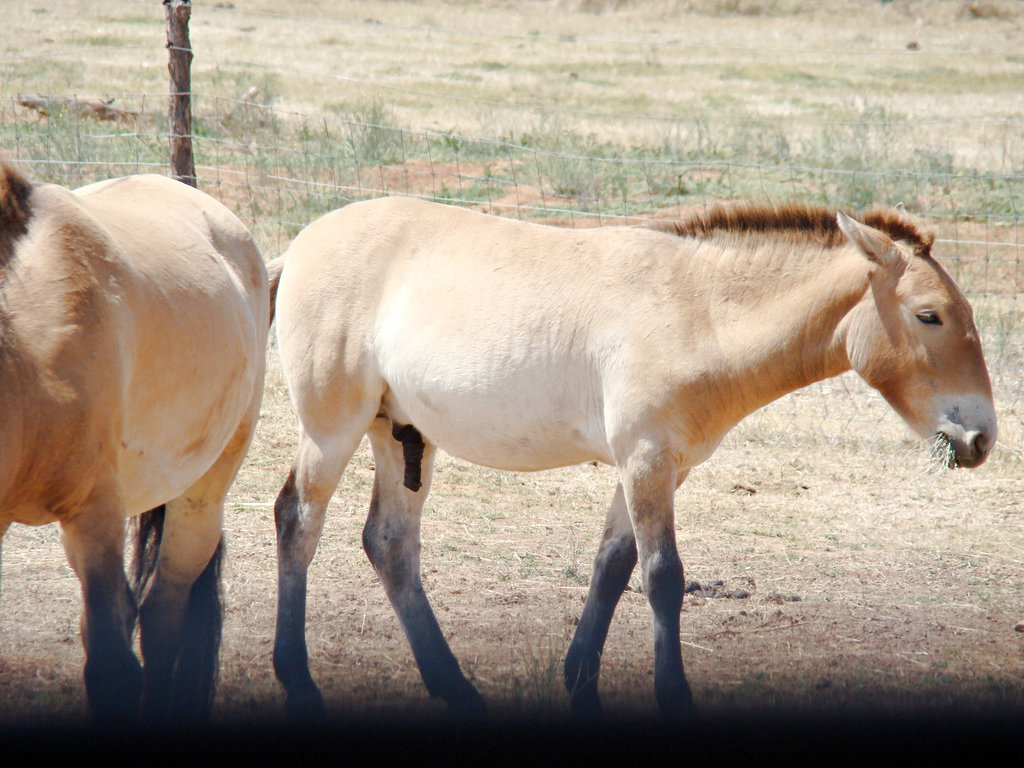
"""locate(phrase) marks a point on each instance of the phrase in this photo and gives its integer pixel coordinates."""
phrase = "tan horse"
(134, 316)
(523, 347)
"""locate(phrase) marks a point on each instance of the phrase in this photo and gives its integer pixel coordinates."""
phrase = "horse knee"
(386, 550)
(373, 548)
(297, 523)
(391, 543)
(663, 580)
(614, 564)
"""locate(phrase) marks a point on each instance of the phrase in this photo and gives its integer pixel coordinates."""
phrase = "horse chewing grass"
(521, 346)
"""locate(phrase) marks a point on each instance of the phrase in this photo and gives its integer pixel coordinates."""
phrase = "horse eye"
(929, 318)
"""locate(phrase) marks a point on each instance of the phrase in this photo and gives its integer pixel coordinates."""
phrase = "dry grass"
(624, 72)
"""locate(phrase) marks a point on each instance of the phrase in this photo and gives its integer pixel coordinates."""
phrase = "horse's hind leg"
(616, 558)
(179, 687)
(299, 517)
(93, 539)
(180, 613)
(391, 539)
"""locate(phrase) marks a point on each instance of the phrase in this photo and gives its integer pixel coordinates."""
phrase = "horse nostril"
(980, 444)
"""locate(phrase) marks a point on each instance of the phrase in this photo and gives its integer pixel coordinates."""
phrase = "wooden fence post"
(179, 110)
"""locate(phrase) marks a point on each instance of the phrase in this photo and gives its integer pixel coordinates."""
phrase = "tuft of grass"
(942, 453)
(374, 137)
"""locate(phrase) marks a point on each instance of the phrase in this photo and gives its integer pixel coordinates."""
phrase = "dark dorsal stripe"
(815, 223)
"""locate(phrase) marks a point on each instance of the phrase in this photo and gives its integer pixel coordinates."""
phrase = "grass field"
(909, 578)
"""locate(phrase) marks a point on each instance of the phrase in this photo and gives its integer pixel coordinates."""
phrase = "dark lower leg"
(113, 676)
(291, 659)
(664, 586)
(613, 565)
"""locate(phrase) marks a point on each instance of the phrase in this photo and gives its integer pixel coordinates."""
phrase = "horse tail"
(274, 268)
(195, 681)
(15, 210)
(148, 532)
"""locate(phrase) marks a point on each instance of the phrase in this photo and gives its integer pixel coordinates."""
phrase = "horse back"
(375, 254)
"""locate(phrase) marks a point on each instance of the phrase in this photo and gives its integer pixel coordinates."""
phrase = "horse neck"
(781, 326)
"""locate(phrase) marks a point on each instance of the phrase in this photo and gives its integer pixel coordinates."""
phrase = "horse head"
(912, 337)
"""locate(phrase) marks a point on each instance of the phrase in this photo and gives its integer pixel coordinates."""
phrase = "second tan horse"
(522, 347)
(134, 316)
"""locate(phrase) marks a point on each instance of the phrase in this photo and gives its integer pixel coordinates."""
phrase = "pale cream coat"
(522, 346)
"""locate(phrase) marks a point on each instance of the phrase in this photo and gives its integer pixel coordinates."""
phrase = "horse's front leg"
(649, 480)
(616, 558)
(94, 542)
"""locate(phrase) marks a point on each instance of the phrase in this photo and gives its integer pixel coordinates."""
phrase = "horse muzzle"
(965, 432)
(961, 448)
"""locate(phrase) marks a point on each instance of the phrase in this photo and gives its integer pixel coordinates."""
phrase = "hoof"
(586, 704)
(305, 708)
(468, 705)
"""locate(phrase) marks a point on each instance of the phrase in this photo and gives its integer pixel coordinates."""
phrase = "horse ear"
(912, 218)
(874, 244)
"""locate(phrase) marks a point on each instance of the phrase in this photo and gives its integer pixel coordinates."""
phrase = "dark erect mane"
(811, 222)
(14, 210)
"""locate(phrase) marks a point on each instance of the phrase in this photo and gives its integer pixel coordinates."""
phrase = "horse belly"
(521, 422)
(487, 366)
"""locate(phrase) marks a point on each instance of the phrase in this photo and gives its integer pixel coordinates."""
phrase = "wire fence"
(279, 165)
